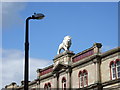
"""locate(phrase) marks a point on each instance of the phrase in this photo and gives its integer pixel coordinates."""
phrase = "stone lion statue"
(65, 45)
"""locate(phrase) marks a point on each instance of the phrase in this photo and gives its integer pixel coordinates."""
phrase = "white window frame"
(113, 71)
(118, 66)
(81, 80)
(85, 76)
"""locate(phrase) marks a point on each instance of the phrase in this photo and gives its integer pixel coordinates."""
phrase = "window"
(47, 86)
(118, 68)
(115, 69)
(80, 79)
(63, 83)
(83, 78)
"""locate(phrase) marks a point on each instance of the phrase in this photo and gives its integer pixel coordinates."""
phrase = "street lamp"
(26, 71)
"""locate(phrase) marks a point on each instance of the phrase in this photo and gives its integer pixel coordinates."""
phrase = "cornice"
(63, 54)
(46, 76)
(98, 45)
(33, 82)
(112, 51)
(83, 52)
(110, 82)
(50, 66)
(84, 61)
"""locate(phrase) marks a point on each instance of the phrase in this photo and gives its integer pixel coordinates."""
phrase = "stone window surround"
(47, 86)
(83, 76)
(111, 74)
(63, 83)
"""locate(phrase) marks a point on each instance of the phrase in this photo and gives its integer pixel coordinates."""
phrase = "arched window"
(118, 68)
(115, 69)
(45, 87)
(85, 77)
(112, 70)
(80, 79)
(63, 83)
(49, 86)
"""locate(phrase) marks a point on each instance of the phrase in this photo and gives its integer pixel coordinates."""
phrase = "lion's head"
(67, 38)
(67, 41)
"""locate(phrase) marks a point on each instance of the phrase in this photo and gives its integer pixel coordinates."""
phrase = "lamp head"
(38, 16)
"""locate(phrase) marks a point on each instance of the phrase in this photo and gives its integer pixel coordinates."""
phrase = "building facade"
(87, 70)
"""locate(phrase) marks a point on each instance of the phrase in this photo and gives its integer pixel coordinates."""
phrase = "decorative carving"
(65, 45)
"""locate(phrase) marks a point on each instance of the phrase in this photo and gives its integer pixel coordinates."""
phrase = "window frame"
(64, 84)
(85, 73)
(116, 71)
(80, 75)
(82, 81)
(49, 86)
(117, 66)
(45, 86)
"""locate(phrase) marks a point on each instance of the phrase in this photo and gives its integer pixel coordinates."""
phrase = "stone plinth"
(63, 58)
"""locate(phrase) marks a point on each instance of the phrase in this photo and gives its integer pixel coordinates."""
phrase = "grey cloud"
(13, 67)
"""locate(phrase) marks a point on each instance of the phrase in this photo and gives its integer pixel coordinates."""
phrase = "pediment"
(59, 67)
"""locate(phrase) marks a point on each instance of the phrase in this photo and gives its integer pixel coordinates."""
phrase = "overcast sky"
(85, 22)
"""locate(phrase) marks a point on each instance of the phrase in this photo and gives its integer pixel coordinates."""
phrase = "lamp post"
(26, 70)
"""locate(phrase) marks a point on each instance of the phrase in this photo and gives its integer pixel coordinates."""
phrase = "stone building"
(87, 70)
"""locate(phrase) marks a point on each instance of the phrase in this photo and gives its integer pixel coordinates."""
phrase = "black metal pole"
(26, 71)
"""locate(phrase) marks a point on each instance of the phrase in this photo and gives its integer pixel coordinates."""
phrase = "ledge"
(111, 82)
(63, 54)
(110, 52)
